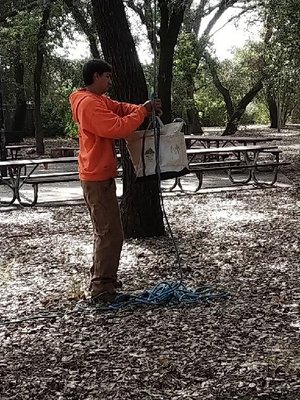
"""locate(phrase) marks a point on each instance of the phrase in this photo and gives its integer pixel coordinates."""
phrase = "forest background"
(37, 74)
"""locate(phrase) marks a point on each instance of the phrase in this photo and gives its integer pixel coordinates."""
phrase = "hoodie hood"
(75, 100)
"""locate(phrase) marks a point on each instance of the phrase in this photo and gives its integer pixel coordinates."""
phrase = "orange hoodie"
(100, 120)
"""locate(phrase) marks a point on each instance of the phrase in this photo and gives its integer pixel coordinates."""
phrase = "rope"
(164, 293)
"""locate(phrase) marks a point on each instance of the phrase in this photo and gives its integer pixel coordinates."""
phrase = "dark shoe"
(118, 284)
(104, 298)
(122, 298)
(110, 298)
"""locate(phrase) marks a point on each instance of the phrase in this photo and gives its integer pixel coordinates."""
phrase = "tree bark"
(272, 110)
(140, 206)
(170, 24)
(193, 119)
(278, 104)
(3, 154)
(21, 109)
(218, 84)
(37, 76)
(239, 110)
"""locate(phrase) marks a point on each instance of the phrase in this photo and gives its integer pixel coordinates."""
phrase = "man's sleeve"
(119, 108)
(103, 122)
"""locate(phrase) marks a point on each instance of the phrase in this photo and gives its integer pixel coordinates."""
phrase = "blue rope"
(163, 293)
(173, 293)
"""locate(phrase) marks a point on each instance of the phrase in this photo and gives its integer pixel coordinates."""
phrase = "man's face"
(103, 81)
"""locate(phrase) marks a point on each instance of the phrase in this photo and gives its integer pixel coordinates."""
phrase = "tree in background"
(85, 23)
(63, 77)
(163, 29)
(200, 16)
(25, 29)
(183, 88)
(282, 24)
(12, 60)
(234, 77)
(37, 75)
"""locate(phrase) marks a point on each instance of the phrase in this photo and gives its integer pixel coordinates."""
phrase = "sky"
(233, 35)
(230, 37)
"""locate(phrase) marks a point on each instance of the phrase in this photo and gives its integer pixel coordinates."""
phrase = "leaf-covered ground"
(246, 347)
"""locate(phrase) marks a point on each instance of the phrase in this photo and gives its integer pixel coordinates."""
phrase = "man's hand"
(153, 104)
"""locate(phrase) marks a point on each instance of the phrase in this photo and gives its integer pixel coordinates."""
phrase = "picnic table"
(251, 160)
(14, 149)
(22, 172)
(222, 141)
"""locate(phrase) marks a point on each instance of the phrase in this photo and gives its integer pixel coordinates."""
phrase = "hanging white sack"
(172, 151)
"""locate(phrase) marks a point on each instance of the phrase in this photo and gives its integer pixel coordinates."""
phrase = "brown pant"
(102, 202)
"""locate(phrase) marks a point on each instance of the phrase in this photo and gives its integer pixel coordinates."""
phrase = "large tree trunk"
(170, 24)
(37, 76)
(193, 119)
(234, 113)
(20, 113)
(272, 110)
(239, 110)
(140, 206)
(3, 154)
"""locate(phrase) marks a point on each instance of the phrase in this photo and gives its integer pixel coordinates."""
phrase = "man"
(100, 121)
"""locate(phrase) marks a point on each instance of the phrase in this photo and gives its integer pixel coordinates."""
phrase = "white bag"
(171, 148)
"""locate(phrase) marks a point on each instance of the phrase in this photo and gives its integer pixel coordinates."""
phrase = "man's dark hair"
(93, 66)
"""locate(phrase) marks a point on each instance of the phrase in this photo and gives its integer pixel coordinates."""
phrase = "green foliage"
(209, 101)
(237, 75)
(256, 113)
(212, 110)
(60, 76)
(64, 77)
(282, 49)
(185, 66)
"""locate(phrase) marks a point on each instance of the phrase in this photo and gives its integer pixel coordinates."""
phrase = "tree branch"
(13, 13)
(232, 125)
(222, 7)
(218, 84)
(234, 17)
(82, 22)
(146, 18)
